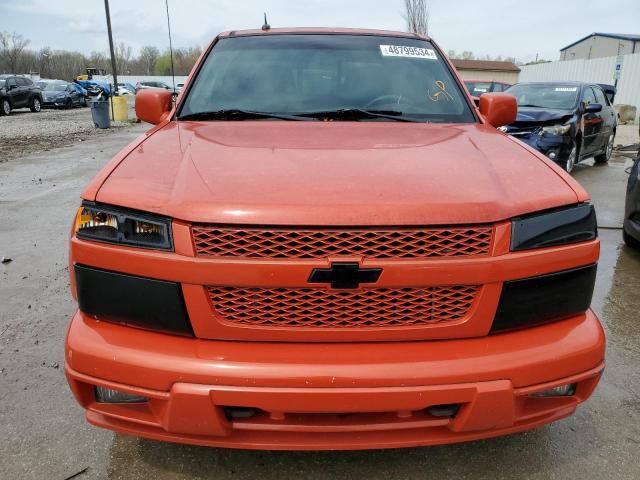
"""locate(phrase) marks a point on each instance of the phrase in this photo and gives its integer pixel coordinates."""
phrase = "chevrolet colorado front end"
(325, 245)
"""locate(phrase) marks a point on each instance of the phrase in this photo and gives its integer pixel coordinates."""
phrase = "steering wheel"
(385, 100)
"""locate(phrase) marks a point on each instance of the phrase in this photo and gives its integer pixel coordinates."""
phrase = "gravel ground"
(24, 132)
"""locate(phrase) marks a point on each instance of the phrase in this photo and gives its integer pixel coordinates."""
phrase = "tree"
(98, 60)
(44, 62)
(417, 14)
(468, 55)
(123, 58)
(535, 62)
(183, 61)
(148, 58)
(163, 64)
(11, 48)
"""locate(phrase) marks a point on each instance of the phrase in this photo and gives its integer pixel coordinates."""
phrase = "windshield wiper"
(354, 114)
(530, 105)
(238, 114)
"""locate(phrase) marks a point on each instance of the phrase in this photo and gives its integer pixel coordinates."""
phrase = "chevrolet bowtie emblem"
(345, 275)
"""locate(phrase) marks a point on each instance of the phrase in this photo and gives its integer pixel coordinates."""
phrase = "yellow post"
(120, 111)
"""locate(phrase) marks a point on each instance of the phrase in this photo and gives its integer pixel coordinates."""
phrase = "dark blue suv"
(566, 121)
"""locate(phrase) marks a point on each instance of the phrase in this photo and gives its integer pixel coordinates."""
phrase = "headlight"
(115, 225)
(555, 130)
(557, 227)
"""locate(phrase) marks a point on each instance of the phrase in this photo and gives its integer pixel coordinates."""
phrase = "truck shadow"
(524, 455)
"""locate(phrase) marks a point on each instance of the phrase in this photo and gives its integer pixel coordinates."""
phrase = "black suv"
(18, 92)
(566, 121)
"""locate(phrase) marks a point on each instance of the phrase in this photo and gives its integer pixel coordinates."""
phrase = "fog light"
(109, 395)
(559, 391)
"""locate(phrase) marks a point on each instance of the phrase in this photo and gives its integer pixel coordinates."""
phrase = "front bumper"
(55, 103)
(556, 148)
(331, 396)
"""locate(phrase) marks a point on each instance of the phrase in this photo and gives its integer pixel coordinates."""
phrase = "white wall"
(598, 70)
(150, 78)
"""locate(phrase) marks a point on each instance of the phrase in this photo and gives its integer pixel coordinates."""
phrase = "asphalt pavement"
(43, 434)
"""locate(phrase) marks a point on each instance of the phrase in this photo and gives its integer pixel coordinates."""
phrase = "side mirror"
(498, 108)
(593, 108)
(11, 87)
(153, 105)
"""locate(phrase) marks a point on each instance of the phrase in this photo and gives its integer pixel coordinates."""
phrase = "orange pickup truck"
(325, 244)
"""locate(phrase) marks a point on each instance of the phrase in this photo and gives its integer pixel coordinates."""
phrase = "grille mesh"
(216, 241)
(320, 308)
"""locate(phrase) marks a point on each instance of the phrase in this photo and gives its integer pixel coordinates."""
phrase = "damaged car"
(566, 121)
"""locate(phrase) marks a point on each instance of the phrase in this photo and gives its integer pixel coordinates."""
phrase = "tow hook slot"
(449, 410)
(235, 413)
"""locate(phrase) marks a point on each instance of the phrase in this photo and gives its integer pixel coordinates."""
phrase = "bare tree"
(148, 58)
(417, 15)
(11, 47)
(44, 62)
(123, 58)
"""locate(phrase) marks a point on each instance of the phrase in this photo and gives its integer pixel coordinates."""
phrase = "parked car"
(58, 93)
(566, 121)
(18, 92)
(126, 89)
(610, 91)
(331, 249)
(478, 87)
(82, 91)
(144, 85)
(631, 227)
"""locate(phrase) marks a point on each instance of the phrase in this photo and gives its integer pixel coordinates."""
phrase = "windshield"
(478, 88)
(59, 87)
(555, 96)
(2, 81)
(298, 74)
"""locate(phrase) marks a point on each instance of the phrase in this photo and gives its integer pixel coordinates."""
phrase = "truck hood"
(333, 173)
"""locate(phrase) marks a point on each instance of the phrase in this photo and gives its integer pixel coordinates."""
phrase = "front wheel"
(35, 106)
(5, 107)
(571, 160)
(606, 155)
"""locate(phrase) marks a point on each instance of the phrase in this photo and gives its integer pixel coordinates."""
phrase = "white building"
(599, 45)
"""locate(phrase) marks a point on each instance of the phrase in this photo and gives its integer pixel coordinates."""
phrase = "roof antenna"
(266, 27)
(173, 71)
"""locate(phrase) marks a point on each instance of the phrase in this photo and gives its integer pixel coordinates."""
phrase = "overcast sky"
(520, 28)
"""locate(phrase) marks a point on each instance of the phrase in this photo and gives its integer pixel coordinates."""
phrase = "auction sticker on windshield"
(408, 52)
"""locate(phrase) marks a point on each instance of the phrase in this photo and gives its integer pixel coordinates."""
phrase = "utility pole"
(113, 56)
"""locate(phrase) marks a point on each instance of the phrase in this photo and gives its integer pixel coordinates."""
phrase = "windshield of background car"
(554, 96)
(1, 83)
(58, 87)
(292, 74)
(478, 88)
